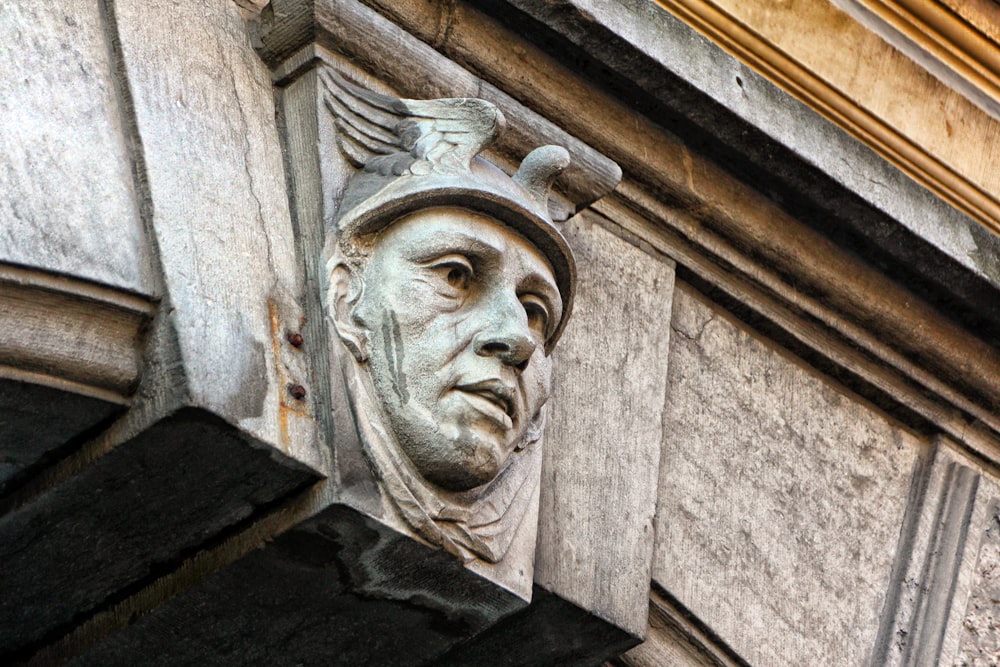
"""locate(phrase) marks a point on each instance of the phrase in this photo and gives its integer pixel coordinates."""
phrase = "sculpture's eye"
(538, 315)
(454, 273)
(459, 276)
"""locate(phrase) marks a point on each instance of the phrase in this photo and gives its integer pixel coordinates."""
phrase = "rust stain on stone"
(285, 407)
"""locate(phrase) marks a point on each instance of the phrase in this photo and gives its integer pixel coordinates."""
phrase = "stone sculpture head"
(453, 312)
(449, 285)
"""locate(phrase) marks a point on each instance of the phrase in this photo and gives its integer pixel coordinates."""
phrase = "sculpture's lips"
(497, 394)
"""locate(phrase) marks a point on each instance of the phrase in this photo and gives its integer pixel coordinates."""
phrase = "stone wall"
(781, 496)
(774, 431)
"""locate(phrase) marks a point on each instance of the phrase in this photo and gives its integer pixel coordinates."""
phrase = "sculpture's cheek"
(537, 382)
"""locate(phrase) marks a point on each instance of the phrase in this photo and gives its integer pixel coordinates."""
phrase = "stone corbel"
(301, 41)
(348, 567)
(446, 286)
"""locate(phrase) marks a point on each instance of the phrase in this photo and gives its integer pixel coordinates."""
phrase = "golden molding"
(754, 49)
(946, 35)
(957, 44)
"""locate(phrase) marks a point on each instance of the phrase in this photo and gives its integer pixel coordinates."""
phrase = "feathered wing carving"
(366, 122)
(389, 135)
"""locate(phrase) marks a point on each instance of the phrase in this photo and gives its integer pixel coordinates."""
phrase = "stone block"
(67, 201)
(603, 439)
(338, 589)
(129, 516)
(781, 496)
(204, 109)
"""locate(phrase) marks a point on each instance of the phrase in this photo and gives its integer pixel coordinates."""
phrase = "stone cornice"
(70, 334)
(846, 107)
(952, 42)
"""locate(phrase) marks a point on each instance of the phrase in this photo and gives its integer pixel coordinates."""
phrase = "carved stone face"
(454, 312)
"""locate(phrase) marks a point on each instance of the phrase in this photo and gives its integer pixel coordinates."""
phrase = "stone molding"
(749, 44)
(951, 39)
(937, 587)
(70, 359)
(71, 334)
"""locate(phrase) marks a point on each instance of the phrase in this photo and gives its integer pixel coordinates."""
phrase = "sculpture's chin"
(462, 478)
(459, 465)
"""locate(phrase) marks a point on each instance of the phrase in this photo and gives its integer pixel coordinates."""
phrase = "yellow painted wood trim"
(959, 40)
(945, 36)
(755, 50)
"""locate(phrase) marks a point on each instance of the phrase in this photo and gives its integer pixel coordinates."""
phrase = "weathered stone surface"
(603, 439)
(340, 589)
(980, 641)
(933, 562)
(969, 626)
(125, 518)
(781, 497)
(740, 119)
(67, 203)
(69, 358)
(204, 109)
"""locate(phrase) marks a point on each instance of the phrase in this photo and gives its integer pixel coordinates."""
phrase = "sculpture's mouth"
(498, 396)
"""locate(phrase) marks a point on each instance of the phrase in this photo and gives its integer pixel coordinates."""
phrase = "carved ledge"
(70, 334)
(944, 173)
(69, 359)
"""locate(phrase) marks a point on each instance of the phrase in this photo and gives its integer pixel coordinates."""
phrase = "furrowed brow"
(449, 242)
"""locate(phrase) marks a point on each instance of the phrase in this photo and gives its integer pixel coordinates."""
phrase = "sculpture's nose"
(506, 335)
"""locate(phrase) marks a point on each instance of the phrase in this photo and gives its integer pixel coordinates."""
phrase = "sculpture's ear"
(346, 286)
